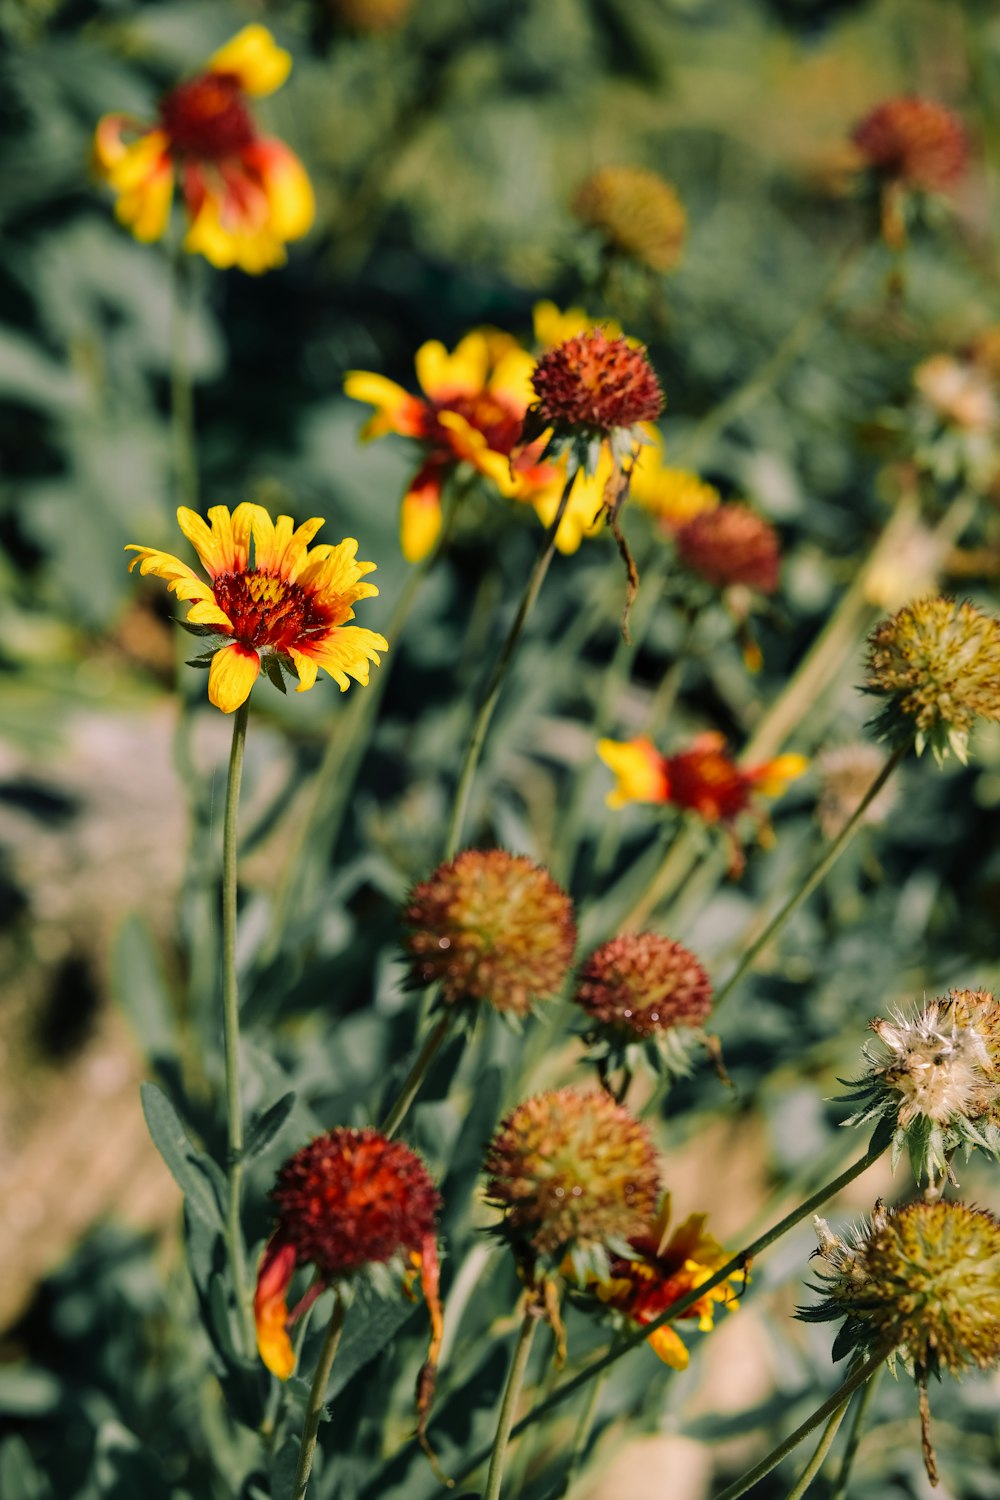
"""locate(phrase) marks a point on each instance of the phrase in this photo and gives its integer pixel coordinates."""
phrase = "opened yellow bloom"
(672, 496)
(285, 607)
(246, 194)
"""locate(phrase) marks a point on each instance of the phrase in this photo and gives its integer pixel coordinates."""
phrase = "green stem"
(418, 1072)
(823, 1447)
(581, 1437)
(512, 1392)
(678, 862)
(231, 1024)
(738, 1263)
(835, 1405)
(839, 1491)
(492, 692)
(766, 376)
(182, 431)
(314, 1410)
(815, 876)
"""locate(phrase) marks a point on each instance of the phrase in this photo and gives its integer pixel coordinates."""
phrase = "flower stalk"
(182, 428)
(433, 1043)
(314, 1410)
(231, 1026)
(511, 1395)
(854, 1435)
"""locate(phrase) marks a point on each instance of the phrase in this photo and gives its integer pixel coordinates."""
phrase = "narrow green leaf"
(181, 1156)
(264, 1129)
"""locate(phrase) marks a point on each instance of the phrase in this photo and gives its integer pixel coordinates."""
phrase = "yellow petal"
(460, 374)
(307, 669)
(391, 402)
(146, 209)
(202, 539)
(420, 522)
(640, 770)
(232, 674)
(346, 653)
(668, 1346)
(255, 58)
(773, 777)
(511, 379)
(290, 198)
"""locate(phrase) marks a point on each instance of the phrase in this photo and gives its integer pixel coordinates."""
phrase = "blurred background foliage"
(445, 141)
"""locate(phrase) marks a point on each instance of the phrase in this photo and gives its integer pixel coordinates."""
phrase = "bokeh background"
(445, 141)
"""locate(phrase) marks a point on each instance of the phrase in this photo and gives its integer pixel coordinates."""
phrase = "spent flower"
(921, 1285)
(574, 1174)
(285, 608)
(730, 545)
(246, 195)
(490, 927)
(637, 213)
(937, 664)
(912, 146)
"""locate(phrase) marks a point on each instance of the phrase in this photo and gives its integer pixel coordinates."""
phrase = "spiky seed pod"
(490, 926)
(914, 141)
(637, 211)
(642, 984)
(923, 1282)
(936, 1075)
(731, 545)
(846, 772)
(937, 662)
(352, 1198)
(593, 389)
(573, 1172)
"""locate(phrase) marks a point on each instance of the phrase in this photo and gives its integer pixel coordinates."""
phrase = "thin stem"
(418, 1072)
(231, 1024)
(823, 1447)
(819, 870)
(854, 1435)
(737, 1264)
(677, 864)
(581, 1437)
(182, 431)
(511, 1395)
(835, 1403)
(314, 1410)
(492, 693)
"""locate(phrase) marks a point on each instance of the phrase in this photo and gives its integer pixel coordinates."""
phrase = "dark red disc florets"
(208, 117)
(916, 141)
(595, 383)
(731, 545)
(643, 984)
(351, 1198)
(269, 611)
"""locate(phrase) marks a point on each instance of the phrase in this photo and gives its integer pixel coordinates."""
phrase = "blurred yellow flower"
(246, 194)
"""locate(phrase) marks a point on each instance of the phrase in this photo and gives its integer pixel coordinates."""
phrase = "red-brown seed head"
(595, 384)
(643, 984)
(207, 118)
(491, 926)
(731, 545)
(914, 141)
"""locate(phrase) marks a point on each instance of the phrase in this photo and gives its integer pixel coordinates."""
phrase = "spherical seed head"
(639, 213)
(938, 664)
(593, 384)
(914, 141)
(925, 1282)
(731, 545)
(352, 1198)
(491, 926)
(572, 1171)
(643, 984)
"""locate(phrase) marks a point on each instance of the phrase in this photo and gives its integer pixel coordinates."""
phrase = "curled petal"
(346, 653)
(270, 1308)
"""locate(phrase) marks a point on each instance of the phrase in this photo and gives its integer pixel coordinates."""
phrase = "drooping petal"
(444, 376)
(395, 409)
(254, 57)
(346, 652)
(670, 1347)
(270, 1308)
(307, 669)
(421, 516)
(291, 202)
(430, 1277)
(233, 672)
(640, 768)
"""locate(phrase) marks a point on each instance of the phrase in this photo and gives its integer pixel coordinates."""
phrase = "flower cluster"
(638, 214)
(936, 1075)
(937, 664)
(349, 1201)
(658, 1271)
(285, 610)
(921, 1285)
(246, 195)
(492, 927)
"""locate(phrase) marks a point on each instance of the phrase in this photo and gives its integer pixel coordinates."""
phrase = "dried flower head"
(922, 1285)
(351, 1199)
(642, 984)
(491, 926)
(846, 772)
(936, 1075)
(937, 662)
(914, 141)
(637, 211)
(661, 1268)
(731, 545)
(573, 1173)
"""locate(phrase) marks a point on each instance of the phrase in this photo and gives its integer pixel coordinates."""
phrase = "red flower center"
(708, 782)
(498, 422)
(208, 117)
(267, 611)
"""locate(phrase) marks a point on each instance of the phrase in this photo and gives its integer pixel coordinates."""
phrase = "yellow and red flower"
(286, 609)
(665, 1268)
(703, 779)
(350, 1199)
(471, 411)
(246, 194)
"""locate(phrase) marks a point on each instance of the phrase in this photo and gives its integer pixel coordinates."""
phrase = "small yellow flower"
(638, 213)
(285, 610)
(246, 194)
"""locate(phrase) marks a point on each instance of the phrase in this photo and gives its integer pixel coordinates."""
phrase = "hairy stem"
(823, 1447)
(418, 1072)
(314, 1410)
(854, 1436)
